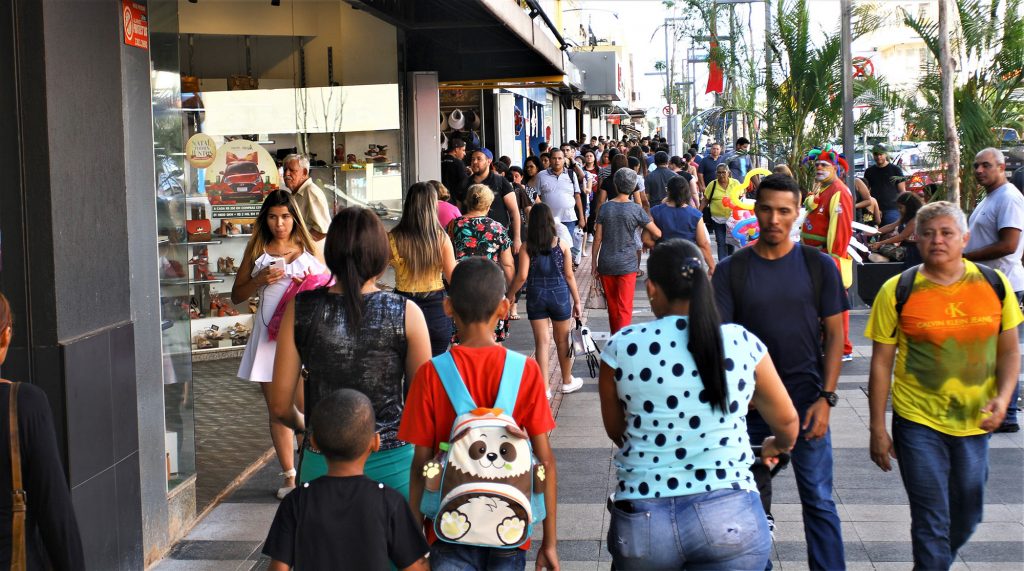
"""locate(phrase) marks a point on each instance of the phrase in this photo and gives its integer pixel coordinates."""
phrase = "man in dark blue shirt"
(776, 302)
(707, 166)
(656, 183)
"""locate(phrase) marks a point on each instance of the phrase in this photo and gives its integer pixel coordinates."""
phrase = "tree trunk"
(948, 116)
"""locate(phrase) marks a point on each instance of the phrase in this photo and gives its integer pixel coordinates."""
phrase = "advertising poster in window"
(241, 175)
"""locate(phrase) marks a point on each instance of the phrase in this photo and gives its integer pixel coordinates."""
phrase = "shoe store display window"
(234, 92)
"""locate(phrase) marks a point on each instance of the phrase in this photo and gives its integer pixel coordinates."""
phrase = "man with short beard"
(504, 197)
(829, 222)
(769, 289)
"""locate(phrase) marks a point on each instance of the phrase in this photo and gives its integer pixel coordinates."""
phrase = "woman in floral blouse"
(476, 234)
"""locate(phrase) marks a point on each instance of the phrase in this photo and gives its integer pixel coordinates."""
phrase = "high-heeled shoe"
(285, 490)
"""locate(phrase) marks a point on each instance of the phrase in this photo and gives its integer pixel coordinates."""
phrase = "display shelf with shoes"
(217, 325)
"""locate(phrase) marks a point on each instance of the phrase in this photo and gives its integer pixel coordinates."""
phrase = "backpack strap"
(453, 384)
(993, 279)
(511, 378)
(815, 269)
(738, 264)
(903, 288)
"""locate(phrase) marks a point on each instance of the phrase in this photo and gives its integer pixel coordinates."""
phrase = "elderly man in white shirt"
(559, 188)
(312, 203)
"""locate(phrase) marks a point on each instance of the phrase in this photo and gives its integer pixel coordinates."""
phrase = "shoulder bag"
(19, 497)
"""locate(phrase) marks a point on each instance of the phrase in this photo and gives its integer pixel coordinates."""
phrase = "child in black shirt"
(344, 520)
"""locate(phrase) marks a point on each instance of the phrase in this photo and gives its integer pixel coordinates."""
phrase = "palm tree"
(805, 94)
(987, 43)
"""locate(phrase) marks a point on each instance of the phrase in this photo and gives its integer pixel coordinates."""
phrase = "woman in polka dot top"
(674, 398)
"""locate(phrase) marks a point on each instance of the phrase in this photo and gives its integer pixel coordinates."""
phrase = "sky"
(636, 21)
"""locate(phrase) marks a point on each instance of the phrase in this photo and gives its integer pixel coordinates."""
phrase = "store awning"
(544, 81)
(471, 40)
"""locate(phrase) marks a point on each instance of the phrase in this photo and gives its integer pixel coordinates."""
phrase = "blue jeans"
(945, 481)
(451, 557)
(889, 216)
(723, 529)
(571, 226)
(1011, 411)
(723, 249)
(812, 466)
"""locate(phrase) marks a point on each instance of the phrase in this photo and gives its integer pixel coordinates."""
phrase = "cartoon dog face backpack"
(485, 487)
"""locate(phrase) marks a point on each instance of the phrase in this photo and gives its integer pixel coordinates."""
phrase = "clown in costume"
(829, 222)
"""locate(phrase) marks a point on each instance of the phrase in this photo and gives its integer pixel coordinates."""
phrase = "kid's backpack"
(485, 487)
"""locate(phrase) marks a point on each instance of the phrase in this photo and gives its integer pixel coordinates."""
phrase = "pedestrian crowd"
(424, 442)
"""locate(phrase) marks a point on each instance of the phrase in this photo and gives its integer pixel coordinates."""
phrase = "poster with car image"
(241, 175)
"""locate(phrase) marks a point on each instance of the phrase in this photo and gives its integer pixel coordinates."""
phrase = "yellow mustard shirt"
(946, 338)
(403, 277)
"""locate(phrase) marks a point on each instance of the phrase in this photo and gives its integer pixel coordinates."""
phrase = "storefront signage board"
(136, 24)
(240, 177)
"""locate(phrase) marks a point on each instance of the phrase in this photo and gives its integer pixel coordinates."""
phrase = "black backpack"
(905, 286)
(741, 261)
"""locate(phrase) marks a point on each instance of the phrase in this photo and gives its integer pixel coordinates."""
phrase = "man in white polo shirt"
(561, 192)
(995, 237)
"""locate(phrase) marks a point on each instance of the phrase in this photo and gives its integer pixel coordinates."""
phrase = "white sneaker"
(285, 490)
(548, 392)
(573, 386)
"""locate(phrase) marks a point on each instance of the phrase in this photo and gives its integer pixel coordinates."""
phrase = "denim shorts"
(544, 300)
(722, 529)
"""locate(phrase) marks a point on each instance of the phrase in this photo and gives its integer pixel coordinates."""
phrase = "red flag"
(716, 80)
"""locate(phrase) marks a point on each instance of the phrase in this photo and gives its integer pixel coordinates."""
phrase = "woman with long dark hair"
(280, 250)
(674, 397)
(552, 297)
(531, 168)
(352, 336)
(902, 244)
(421, 254)
(677, 218)
(49, 537)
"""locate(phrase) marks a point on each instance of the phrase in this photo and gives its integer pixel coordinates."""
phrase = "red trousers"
(618, 290)
(847, 346)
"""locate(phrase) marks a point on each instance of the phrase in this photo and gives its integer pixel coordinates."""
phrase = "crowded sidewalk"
(872, 505)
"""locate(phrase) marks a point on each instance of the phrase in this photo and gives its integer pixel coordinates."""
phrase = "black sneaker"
(1008, 428)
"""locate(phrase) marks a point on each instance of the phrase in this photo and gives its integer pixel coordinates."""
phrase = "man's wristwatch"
(831, 398)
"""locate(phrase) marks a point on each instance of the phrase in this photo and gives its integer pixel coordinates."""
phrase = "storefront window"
(175, 298)
(235, 90)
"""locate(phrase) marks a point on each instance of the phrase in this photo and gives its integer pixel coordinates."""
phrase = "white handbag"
(582, 343)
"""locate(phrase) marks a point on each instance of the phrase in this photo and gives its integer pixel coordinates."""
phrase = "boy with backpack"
(474, 413)
(344, 520)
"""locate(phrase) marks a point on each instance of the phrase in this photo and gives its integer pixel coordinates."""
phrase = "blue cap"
(487, 153)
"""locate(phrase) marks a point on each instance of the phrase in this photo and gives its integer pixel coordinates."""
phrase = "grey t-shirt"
(619, 222)
(1002, 208)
